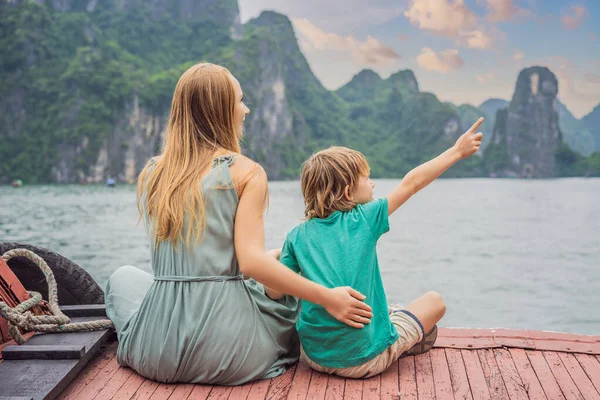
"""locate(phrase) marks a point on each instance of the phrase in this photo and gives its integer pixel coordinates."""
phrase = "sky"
(463, 51)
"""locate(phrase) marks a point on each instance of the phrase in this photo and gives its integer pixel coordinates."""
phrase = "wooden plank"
(11, 288)
(531, 383)
(560, 336)
(579, 376)
(591, 366)
(353, 389)
(544, 374)
(43, 352)
(372, 388)
(240, 391)
(441, 374)
(200, 392)
(317, 387)
(220, 392)
(424, 374)
(510, 375)
(145, 390)
(281, 385)
(569, 347)
(90, 372)
(259, 389)
(492, 374)
(389, 383)
(99, 380)
(4, 333)
(479, 388)
(84, 310)
(407, 381)
(335, 388)
(49, 378)
(458, 375)
(466, 342)
(163, 391)
(301, 382)
(465, 332)
(11, 342)
(131, 385)
(182, 391)
(114, 384)
(562, 376)
(35, 378)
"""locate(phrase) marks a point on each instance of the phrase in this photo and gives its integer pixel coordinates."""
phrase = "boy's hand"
(469, 142)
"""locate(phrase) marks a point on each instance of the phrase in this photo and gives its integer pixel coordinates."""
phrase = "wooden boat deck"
(465, 364)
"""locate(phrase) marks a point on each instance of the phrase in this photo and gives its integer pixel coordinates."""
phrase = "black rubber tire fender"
(75, 285)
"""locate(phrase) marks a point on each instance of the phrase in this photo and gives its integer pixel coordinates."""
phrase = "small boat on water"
(17, 183)
(110, 182)
(464, 363)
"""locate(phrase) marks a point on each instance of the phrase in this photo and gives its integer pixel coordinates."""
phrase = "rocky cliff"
(526, 135)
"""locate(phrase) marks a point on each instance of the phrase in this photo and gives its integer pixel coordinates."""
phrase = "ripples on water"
(503, 253)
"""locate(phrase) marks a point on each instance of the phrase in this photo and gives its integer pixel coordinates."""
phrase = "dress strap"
(227, 159)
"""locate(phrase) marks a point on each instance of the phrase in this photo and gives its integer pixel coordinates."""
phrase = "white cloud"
(592, 78)
(368, 52)
(443, 62)
(573, 21)
(444, 17)
(478, 39)
(485, 77)
(504, 10)
(519, 55)
(337, 15)
(452, 18)
(579, 91)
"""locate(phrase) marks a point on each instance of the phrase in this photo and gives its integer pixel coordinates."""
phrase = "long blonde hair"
(325, 176)
(201, 121)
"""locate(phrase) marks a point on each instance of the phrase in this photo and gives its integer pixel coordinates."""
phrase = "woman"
(199, 318)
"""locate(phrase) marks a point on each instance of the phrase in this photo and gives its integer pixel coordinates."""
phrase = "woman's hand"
(469, 142)
(345, 304)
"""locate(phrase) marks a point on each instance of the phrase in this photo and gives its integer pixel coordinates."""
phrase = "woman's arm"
(273, 294)
(343, 303)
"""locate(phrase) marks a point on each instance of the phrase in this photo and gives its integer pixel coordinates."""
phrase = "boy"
(336, 246)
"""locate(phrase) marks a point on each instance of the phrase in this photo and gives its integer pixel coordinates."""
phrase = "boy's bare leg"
(429, 309)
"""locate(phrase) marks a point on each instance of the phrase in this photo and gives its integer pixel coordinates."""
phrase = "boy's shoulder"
(305, 229)
(296, 231)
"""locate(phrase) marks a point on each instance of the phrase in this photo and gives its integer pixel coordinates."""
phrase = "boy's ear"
(347, 193)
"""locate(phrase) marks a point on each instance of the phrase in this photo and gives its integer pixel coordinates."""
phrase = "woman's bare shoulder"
(244, 170)
(244, 165)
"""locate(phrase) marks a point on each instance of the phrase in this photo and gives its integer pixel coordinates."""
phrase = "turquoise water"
(503, 253)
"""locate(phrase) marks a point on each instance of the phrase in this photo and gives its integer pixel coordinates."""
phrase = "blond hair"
(200, 122)
(325, 176)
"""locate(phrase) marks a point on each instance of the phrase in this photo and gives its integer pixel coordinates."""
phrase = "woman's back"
(214, 254)
(199, 321)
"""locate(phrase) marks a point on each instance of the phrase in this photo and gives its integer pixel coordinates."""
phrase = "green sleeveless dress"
(195, 319)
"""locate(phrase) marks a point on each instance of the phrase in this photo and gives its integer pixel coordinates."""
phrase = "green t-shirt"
(340, 250)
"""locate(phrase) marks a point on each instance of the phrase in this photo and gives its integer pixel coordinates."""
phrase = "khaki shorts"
(410, 331)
